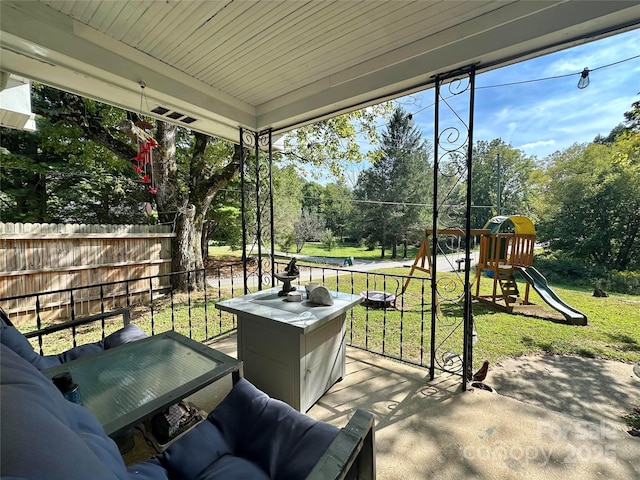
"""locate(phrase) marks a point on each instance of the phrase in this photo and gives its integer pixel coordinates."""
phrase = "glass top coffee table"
(126, 385)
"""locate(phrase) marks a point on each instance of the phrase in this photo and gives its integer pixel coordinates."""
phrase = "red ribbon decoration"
(143, 161)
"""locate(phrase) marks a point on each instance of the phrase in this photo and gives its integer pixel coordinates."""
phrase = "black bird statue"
(481, 374)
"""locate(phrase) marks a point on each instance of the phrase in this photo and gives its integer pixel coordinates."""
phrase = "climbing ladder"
(508, 286)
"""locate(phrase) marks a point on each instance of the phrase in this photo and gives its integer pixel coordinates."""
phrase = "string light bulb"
(584, 79)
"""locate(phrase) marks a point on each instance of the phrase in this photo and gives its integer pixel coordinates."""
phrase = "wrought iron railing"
(152, 304)
(389, 323)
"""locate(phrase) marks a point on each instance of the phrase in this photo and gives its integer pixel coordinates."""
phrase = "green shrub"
(371, 243)
(329, 240)
(623, 282)
(286, 244)
(559, 268)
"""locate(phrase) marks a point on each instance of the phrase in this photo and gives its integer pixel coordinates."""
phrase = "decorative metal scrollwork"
(449, 289)
(452, 150)
(449, 362)
(257, 208)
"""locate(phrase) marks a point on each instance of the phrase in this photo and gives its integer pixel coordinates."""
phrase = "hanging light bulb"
(584, 79)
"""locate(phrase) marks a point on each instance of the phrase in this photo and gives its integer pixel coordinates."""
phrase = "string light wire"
(555, 77)
(559, 76)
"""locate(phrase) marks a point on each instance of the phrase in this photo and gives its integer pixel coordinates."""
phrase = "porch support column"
(256, 186)
(451, 312)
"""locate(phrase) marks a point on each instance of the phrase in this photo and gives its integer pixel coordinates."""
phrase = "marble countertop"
(304, 315)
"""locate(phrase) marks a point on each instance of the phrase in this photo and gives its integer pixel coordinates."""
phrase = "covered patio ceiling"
(218, 65)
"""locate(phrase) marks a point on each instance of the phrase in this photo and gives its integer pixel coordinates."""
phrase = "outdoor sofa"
(248, 436)
(17, 341)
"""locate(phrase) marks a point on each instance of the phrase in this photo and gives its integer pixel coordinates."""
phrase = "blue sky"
(545, 116)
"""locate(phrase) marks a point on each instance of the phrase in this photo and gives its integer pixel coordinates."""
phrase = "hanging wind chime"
(143, 161)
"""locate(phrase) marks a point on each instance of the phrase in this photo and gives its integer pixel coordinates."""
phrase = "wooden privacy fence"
(37, 258)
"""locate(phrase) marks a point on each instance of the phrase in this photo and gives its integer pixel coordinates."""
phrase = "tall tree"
(312, 196)
(500, 178)
(224, 218)
(310, 227)
(288, 200)
(397, 182)
(23, 177)
(324, 147)
(57, 174)
(593, 202)
(337, 207)
(190, 168)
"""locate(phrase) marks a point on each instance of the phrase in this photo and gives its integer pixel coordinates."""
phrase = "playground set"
(506, 249)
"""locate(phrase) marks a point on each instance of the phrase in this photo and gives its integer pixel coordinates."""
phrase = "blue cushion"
(232, 468)
(17, 342)
(149, 470)
(194, 452)
(128, 333)
(247, 437)
(44, 435)
(81, 351)
(5, 321)
(285, 443)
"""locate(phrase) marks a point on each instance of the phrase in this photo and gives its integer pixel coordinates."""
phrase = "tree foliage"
(593, 202)
(337, 207)
(326, 146)
(190, 170)
(310, 227)
(223, 222)
(76, 167)
(60, 174)
(501, 175)
(287, 199)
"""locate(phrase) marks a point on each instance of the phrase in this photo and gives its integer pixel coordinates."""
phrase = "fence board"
(46, 257)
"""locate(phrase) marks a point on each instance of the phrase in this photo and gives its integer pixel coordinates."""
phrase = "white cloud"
(539, 143)
(545, 116)
(595, 54)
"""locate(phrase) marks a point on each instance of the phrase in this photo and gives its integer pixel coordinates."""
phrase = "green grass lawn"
(316, 249)
(404, 332)
(613, 331)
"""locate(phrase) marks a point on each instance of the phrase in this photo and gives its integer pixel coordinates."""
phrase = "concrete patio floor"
(548, 418)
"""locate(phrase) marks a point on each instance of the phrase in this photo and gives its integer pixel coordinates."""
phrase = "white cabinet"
(293, 351)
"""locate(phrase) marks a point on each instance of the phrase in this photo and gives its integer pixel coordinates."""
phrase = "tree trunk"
(204, 240)
(624, 252)
(185, 255)
(182, 197)
(174, 207)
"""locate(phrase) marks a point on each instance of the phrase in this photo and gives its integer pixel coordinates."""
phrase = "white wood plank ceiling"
(280, 64)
